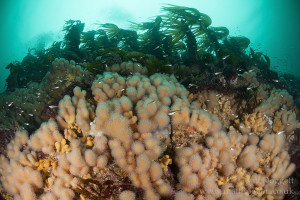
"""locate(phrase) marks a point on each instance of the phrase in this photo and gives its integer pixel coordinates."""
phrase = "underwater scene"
(168, 106)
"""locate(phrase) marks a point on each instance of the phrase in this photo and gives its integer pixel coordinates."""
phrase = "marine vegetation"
(170, 109)
(186, 23)
(181, 35)
(33, 68)
(126, 39)
(73, 29)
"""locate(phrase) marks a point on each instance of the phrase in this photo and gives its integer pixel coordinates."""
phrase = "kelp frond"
(191, 15)
(112, 30)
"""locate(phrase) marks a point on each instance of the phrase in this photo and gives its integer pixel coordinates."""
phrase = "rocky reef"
(177, 110)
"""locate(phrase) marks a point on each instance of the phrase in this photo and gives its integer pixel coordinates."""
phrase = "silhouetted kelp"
(180, 36)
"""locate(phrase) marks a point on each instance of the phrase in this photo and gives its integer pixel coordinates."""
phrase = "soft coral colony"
(136, 134)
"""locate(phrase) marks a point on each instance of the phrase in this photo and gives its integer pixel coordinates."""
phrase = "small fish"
(154, 101)
(183, 79)
(53, 107)
(217, 73)
(30, 115)
(276, 81)
(225, 57)
(27, 124)
(192, 85)
(280, 132)
(157, 47)
(173, 112)
(59, 81)
(10, 104)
